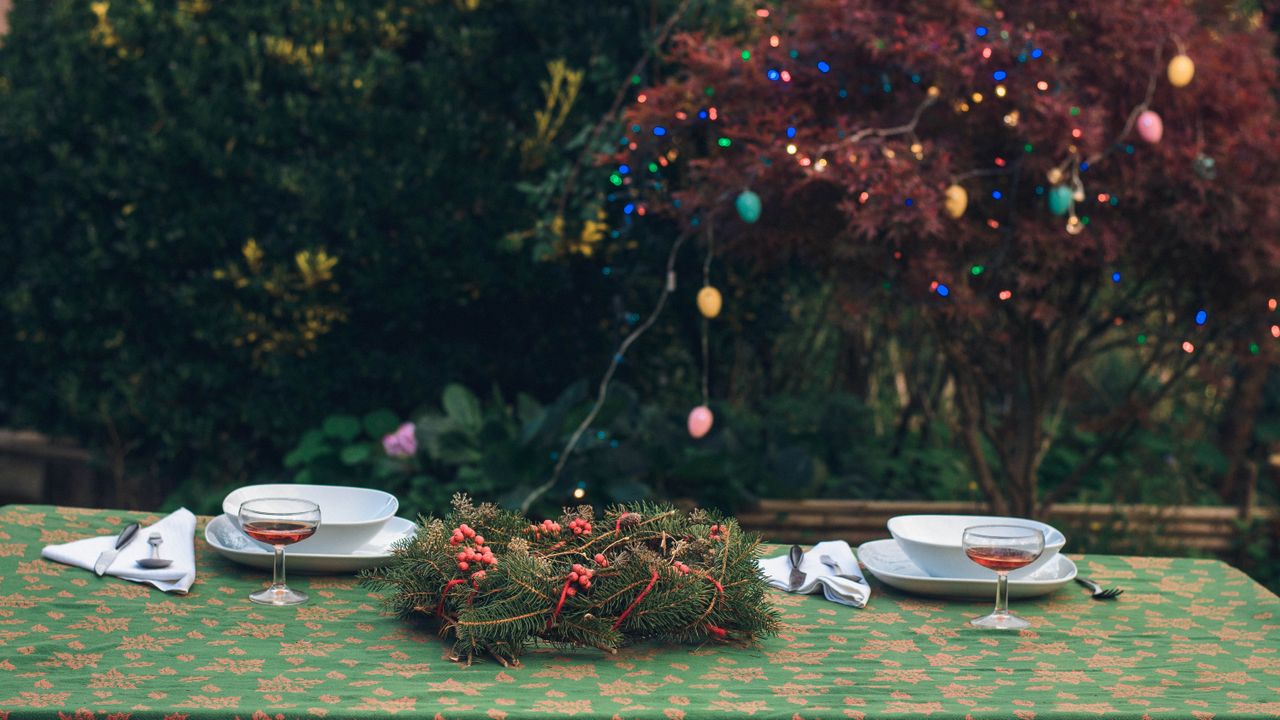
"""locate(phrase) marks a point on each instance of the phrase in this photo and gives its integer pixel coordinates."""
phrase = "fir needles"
(641, 572)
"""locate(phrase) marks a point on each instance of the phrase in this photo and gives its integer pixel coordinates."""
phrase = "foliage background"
(243, 240)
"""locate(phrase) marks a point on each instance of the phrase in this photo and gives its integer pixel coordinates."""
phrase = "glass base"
(1000, 621)
(278, 595)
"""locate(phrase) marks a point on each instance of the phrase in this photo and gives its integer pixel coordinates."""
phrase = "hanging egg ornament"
(1074, 226)
(956, 200)
(709, 302)
(1078, 193)
(748, 204)
(700, 420)
(1054, 176)
(1059, 199)
(1150, 126)
(1181, 70)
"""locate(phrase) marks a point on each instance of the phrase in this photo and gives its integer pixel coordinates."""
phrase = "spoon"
(155, 561)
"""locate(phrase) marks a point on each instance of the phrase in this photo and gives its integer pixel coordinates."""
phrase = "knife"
(797, 559)
(107, 556)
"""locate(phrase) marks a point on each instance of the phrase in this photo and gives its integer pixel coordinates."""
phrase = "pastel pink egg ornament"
(1150, 126)
(700, 419)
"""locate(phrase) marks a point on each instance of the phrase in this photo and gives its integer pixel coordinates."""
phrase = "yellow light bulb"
(791, 149)
(1000, 91)
(977, 97)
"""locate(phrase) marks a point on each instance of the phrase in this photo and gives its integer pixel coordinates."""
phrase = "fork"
(1099, 592)
(826, 560)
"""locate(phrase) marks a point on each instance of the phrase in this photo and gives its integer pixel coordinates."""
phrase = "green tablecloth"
(1188, 639)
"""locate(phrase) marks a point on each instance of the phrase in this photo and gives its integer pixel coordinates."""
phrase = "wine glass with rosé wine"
(1002, 548)
(279, 522)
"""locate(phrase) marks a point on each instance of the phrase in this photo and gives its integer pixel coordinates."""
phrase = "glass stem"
(277, 571)
(1002, 594)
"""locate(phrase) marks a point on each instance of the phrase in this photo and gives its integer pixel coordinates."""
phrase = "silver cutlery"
(105, 559)
(155, 561)
(826, 560)
(1099, 592)
(796, 556)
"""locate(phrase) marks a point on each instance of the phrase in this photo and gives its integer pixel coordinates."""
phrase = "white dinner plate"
(891, 566)
(225, 538)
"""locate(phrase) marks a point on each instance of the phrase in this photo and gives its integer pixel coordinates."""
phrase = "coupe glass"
(1002, 548)
(279, 522)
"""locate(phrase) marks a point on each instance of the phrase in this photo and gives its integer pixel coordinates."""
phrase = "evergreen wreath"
(498, 583)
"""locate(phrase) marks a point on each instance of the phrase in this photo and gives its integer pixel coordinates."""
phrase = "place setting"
(328, 529)
(944, 556)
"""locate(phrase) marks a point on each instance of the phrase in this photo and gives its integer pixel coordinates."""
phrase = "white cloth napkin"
(777, 572)
(178, 530)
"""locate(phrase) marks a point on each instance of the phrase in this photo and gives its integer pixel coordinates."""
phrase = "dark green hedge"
(145, 144)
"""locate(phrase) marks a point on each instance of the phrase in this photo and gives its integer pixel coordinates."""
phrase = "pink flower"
(401, 443)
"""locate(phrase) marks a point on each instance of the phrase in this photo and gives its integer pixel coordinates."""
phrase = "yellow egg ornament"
(709, 302)
(956, 200)
(1181, 70)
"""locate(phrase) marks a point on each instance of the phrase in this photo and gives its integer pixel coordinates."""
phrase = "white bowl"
(349, 516)
(933, 542)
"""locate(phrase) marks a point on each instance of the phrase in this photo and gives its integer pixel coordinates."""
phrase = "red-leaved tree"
(1082, 232)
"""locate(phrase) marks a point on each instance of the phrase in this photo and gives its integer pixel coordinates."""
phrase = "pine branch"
(499, 583)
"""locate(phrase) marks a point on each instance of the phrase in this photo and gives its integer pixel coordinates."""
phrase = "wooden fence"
(1179, 528)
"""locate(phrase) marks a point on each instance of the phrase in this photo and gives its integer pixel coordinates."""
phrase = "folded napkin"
(178, 530)
(777, 572)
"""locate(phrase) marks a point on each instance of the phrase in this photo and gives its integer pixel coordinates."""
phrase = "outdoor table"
(1190, 638)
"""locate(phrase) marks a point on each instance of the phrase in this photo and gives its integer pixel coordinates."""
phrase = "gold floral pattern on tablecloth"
(1190, 638)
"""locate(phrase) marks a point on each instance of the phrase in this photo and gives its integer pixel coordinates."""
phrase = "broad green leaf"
(354, 454)
(461, 405)
(380, 422)
(343, 427)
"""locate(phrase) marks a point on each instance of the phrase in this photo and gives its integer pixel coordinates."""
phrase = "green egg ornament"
(1059, 199)
(748, 204)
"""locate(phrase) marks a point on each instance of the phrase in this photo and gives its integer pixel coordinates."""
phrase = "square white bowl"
(934, 543)
(349, 516)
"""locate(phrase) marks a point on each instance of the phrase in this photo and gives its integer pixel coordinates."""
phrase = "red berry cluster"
(480, 554)
(580, 575)
(684, 569)
(600, 560)
(718, 532)
(550, 527)
(580, 526)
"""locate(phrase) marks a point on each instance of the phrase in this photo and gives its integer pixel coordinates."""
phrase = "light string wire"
(602, 392)
(618, 98)
(931, 97)
(706, 321)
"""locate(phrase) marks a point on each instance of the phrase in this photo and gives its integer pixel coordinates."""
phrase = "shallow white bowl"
(224, 536)
(349, 516)
(934, 543)
(891, 566)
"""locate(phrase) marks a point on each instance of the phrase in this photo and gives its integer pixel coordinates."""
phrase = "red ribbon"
(636, 602)
(564, 593)
(445, 591)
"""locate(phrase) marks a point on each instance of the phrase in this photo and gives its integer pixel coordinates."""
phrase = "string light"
(1073, 164)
